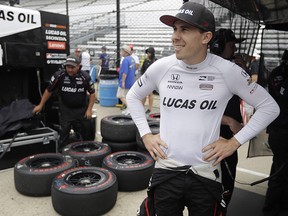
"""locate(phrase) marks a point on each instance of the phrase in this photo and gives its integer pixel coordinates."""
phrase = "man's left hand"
(220, 149)
(88, 114)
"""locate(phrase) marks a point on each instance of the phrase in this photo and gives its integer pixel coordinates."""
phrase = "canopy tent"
(271, 16)
(272, 13)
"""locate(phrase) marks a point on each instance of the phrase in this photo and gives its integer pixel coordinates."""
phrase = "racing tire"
(133, 169)
(33, 175)
(85, 191)
(153, 117)
(87, 153)
(121, 146)
(155, 129)
(119, 128)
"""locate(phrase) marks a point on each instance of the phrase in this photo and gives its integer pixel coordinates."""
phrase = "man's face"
(77, 53)
(72, 70)
(123, 53)
(149, 55)
(189, 43)
(229, 50)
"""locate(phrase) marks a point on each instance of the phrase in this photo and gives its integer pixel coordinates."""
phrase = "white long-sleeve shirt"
(85, 61)
(192, 102)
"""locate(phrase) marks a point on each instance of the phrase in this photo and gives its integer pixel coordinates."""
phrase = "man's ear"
(207, 37)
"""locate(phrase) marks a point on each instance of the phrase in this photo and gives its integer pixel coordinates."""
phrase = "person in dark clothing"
(147, 62)
(104, 60)
(277, 193)
(76, 95)
(259, 73)
(223, 44)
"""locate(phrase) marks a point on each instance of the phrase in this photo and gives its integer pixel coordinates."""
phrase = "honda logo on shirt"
(175, 77)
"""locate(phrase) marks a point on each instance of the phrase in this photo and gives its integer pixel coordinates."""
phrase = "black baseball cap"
(72, 60)
(194, 14)
(230, 36)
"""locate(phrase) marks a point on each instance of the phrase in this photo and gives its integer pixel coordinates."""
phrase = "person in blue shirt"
(126, 75)
(94, 70)
(104, 59)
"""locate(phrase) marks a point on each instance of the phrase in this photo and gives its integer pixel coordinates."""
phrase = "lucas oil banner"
(14, 20)
(33, 39)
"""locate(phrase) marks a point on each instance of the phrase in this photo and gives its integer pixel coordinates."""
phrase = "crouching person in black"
(277, 193)
(76, 96)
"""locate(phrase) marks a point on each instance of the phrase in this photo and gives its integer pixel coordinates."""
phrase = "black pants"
(73, 118)
(171, 195)
(276, 202)
(228, 178)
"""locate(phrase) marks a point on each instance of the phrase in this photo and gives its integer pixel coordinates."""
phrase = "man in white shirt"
(194, 88)
(85, 60)
(136, 59)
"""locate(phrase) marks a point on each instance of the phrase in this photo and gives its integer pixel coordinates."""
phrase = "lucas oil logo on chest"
(189, 104)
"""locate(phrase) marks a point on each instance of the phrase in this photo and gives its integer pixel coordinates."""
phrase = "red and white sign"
(55, 45)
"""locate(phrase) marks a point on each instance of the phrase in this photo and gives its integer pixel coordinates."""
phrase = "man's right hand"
(152, 144)
(37, 109)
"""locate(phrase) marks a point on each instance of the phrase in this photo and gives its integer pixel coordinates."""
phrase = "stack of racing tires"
(119, 132)
(132, 168)
(85, 179)
(86, 191)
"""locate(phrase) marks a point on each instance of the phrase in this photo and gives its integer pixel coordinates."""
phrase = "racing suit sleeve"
(141, 88)
(255, 95)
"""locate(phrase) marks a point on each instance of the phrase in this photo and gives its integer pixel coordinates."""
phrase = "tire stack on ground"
(119, 132)
(132, 168)
(85, 191)
(77, 183)
(89, 189)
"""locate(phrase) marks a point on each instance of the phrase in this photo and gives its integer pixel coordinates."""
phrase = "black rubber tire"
(33, 175)
(119, 128)
(87, 153)
(133, 169)
(85, 191)
(155, 129)
(121, 146)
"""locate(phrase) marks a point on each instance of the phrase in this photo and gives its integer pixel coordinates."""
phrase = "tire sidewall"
(131, 177)
(119, 128)
(89, 158)
(35, 181)
(74, 198)
(62, 181)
